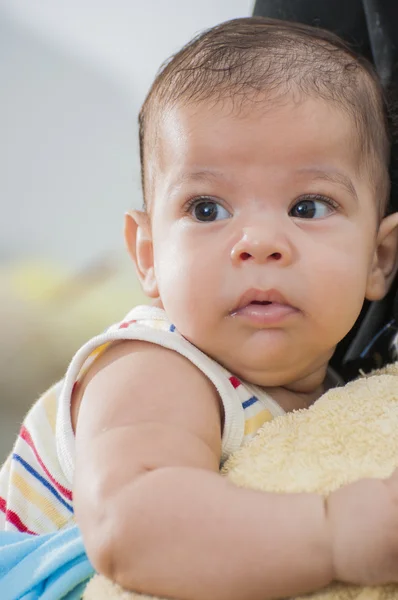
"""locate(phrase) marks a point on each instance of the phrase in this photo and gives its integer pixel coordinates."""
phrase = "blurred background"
(73, 76)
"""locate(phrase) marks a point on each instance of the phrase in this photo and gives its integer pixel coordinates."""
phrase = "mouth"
(261, 298)
(264, 307)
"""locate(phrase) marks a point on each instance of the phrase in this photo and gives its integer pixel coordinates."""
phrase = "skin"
(164, 522)
(257, 170)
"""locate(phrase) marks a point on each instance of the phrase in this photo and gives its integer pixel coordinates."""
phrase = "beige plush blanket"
(350, 433)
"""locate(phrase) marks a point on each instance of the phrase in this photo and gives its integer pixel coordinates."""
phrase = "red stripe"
(25, 435)
(235, 381)
(126, 324)
(13, 518)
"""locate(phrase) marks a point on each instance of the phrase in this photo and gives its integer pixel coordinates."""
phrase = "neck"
(301, 393)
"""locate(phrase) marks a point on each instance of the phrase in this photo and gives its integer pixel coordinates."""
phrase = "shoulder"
(148, 358)
(137, 381)
(142, 353)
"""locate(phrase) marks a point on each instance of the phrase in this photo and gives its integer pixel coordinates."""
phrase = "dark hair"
(259, 58)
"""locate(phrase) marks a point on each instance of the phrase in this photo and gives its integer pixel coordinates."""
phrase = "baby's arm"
(155, 514)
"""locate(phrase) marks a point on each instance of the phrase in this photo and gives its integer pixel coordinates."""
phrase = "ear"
(138, 238)
(385, 260)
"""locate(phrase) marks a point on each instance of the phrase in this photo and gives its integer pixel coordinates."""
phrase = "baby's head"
(265, 151)
(263, 62)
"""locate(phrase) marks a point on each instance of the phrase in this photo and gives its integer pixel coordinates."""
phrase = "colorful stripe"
(42, 503)
(253, 424)
(235, 381)
(25, 435)
(14, 519)
(126, 324)
(46, 483)
(249, 402)
(50, 408)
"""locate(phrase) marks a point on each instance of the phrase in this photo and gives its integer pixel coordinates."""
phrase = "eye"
(206, 210)
(313, 207)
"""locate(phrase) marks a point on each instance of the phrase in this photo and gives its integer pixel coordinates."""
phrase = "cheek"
(344, 257)
(186, 273)
(338, 279)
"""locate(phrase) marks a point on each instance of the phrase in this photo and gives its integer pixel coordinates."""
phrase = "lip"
(253, 295)
(264, 307)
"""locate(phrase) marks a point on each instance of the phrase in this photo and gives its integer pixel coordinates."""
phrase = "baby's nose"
(261, 245)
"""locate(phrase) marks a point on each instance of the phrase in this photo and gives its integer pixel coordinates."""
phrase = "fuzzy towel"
(349, 433)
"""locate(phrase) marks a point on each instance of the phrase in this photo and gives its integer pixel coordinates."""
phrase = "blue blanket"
(49, 567)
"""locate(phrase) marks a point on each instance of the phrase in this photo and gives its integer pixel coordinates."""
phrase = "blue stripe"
(172, 327)
(48, 485)
(249, 402)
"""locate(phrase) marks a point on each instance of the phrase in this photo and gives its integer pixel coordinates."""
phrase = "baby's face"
(263, 234)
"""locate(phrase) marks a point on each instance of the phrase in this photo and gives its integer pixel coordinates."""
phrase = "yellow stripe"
(91, 358)
(99, 350)
(38, 500)
(254, 423)
(50, 407)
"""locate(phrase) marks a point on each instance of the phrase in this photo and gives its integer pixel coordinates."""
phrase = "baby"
(265, 153)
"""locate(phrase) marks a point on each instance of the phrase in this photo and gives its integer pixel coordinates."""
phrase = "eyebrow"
(333, 177)
(329, 175)
(204, 175)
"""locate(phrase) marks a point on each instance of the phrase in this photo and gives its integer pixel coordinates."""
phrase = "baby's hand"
(363, 517)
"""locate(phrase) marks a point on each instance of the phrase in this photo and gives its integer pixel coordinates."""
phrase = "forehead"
(310, 126)
(267, 137)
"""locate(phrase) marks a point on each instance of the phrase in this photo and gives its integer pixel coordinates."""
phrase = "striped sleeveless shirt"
(36, 479)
